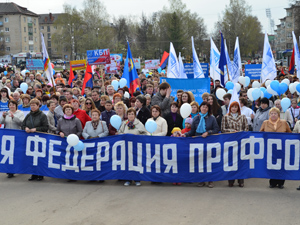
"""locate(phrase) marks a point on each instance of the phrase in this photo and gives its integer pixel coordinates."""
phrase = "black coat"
(37, 120)
(171, 124)
(144, 114)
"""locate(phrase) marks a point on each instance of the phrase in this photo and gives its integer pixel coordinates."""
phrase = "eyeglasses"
(88, 103)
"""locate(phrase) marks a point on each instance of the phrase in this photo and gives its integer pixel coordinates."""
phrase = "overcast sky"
(209, 10)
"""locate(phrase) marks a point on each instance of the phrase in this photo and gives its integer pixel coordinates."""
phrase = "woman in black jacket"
(215, 108)
(173, 118)
(36, 120)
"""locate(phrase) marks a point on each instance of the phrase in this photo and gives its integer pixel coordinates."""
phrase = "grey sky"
(209, 10)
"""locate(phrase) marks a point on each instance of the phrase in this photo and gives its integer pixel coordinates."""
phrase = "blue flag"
(223, 61)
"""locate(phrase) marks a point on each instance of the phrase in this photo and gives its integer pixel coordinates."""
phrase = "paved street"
(55, 201)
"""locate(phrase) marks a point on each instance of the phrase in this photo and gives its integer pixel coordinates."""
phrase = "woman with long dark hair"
(215, 108)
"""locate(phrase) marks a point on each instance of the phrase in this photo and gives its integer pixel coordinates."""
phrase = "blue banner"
(196, 86)
(253, 71)
(163, 159)
(98, 56)
(189, 69)
(34, 64)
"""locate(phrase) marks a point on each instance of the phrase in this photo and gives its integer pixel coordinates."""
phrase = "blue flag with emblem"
(223, 61)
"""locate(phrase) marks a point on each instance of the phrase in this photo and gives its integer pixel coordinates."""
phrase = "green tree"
(237, 21)
(2, 44)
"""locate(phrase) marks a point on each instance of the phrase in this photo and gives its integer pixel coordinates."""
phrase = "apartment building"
(20, 29)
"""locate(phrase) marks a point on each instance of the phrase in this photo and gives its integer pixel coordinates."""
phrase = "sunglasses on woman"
(88, 103)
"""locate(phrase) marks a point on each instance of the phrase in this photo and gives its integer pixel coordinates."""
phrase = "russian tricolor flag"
(164, 60)
(88, 78)
(292, 63)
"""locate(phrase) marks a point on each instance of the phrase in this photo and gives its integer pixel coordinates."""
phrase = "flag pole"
(227, 72)
(53, 84)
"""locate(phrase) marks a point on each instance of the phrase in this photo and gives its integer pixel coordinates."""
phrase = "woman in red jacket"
(79, 113)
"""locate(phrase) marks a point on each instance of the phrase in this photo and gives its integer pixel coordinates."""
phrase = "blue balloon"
(247, 80)
(163, 71)
(53, 71)
(283, 87)
(24, 87)
(262, 89)
(151, 126)
(79, 146)
(116, 121)
(230, 91)
(229, 85)
(256, 93)
(5, 73)
(122, 82)
(275, 86)
(285, 104)
(298, 87)
(115, 84)
(159, 69)
(267, 94)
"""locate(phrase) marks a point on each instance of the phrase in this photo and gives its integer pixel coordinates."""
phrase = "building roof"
(48, 18)
(13, 8)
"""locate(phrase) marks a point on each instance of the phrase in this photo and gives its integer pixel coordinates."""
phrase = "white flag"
(173, 65)
(297, 56)
(237, 62)
(198, 72)
(229, 65)
(234, 98)
(268, 70)
(214, 61)
(182, 73)
(47, 64)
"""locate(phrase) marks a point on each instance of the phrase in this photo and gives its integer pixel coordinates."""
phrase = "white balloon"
(256, 84)
(271, 91)
(72, 139)
(8, 89)
(262, 94)
(220, 93)
(237, 87)
(249, 94)
(292, 88)
(287, 81)
(23, 72)
(267, 83)
(126, 94)
(185, 110)
(242, 80)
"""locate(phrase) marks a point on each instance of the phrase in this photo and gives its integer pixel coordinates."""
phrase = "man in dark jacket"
(35, 121)
(108, 113)
(163, 98)
(143, 113)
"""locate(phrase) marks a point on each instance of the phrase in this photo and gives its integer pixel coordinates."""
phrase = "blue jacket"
(210, 124)
(105, 116)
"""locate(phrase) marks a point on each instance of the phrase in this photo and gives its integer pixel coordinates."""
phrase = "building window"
(24, 29)
(55, 50)
(65, 49)
(25, 39)
(1, 38)
(24, 19)
(31, 48)
(8, 49)
(42, 27)
(7, 39)
(34, 30)
(36, 49)
(55, 27)
(25, 48)
(49, 44)
(34, 21)
(48, 28)
(6, 20)
(289, 45)
(49, 36)
(30, 38)
(35, 39)
(6, 29)
(29, 19)
(289, 35)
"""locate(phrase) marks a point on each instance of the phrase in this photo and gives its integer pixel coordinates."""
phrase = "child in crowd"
(188, 125)
(107, 113)
(176, 132)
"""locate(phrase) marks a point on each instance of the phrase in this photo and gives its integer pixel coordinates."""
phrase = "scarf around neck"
(274, 123)
(68, 117)
(95, 124)
(201, 126)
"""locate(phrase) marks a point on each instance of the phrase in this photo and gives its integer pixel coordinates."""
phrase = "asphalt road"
(57, 202)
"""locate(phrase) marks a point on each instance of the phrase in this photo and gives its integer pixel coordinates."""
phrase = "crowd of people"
(88, 115)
